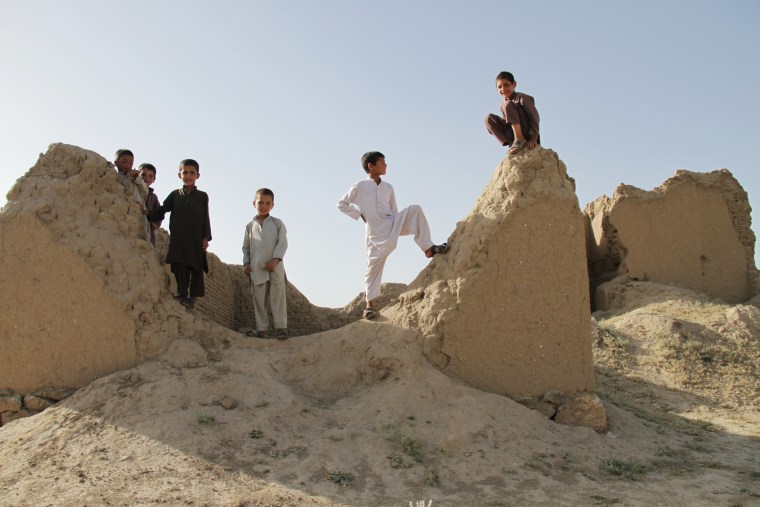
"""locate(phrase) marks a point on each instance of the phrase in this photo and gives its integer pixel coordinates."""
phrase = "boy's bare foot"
(437, 249)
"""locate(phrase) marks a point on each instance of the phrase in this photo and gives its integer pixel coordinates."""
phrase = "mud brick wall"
(229, 302)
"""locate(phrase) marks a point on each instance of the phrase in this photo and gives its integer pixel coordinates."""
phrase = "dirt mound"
(358, 416)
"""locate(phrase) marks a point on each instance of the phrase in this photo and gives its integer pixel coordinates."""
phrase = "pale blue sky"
(289, 94)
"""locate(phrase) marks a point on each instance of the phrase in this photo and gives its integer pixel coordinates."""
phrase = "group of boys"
(373, 199)
(265, 240)
(189, 223)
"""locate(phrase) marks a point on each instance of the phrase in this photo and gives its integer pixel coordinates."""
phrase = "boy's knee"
(492, 119)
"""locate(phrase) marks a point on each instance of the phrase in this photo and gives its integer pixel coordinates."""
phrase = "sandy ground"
(359, 417)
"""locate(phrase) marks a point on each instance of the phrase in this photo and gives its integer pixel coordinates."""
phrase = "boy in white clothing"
(264, 246)
(374, 201)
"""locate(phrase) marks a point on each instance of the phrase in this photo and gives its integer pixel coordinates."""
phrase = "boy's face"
(124, 163)
(263, 204)
(505, 87)
(378, 168)
(188, 174)
(148, 176)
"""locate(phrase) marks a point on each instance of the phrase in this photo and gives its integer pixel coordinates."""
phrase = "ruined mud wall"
(229, 301)
(693, 231)
(507, 309)
(83, 294)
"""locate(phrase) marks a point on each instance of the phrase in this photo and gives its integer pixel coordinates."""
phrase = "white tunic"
(376, 204)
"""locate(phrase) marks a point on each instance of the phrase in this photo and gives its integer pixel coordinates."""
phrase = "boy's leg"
(182, 276)
(197, 284)
(277, 297)
(500, 129)
(373, 277)
(259, 306)
(518, 120)
(413, 221)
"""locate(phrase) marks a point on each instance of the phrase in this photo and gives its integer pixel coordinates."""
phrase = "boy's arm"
(158, 214)
(282, 242)
(153, 203)
(530, 109)
(142, 187)
(392, 202)
(206, 227)
(347, 204)
(247, 250)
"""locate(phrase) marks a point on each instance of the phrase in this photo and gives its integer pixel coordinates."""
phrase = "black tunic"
(188, 226)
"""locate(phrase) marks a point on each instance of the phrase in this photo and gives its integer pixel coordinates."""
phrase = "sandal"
(439, 249)
(256, 334)
(282, 334)
(369, 313)
(516, 146)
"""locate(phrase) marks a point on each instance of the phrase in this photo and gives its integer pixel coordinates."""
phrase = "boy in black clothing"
(189, 233)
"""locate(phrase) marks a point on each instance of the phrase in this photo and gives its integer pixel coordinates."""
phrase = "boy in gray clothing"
(264, 246)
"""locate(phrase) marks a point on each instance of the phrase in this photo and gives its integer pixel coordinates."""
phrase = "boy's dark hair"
(149, 167)
(507, 76)
(265, 191)
(123, 151)
(192, 163)
(370, 158)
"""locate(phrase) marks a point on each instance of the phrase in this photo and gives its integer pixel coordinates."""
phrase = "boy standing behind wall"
(148, 174)
(189, 233)
(130, 178)
(264, 245)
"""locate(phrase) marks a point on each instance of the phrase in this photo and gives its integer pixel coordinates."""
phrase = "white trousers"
(409, 221)
(277, 301)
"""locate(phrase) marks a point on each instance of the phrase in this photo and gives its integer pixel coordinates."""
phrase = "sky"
(289, 94)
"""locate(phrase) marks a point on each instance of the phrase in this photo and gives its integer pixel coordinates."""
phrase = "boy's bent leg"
(518, 120)
(500, 129)
(414, 222)
(259, 306)
(278, 298)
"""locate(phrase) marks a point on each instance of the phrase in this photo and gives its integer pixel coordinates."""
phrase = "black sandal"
(439, 249)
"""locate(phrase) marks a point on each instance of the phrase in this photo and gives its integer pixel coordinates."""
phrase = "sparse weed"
(255, 433)
(205, 419)
(411, 446)
(398, 462)
(631, 470)
(388, 430)
(338, 477)
(431, 477)
(601, 500)
(262, 404)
